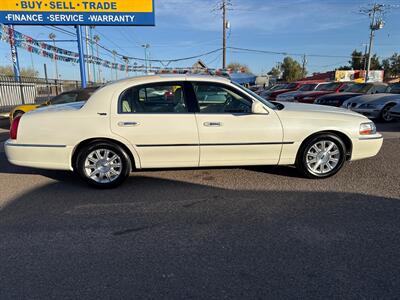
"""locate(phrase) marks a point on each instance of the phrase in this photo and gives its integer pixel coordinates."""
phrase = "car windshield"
(358, 88)
(307, 87)
(277, 87)
(328, 87)
(393, 89)
(290, 86)
(259, 98)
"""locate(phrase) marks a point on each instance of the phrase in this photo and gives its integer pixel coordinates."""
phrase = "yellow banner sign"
(77, 6)
(77, 12)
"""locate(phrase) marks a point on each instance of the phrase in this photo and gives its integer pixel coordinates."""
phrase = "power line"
(289, 53)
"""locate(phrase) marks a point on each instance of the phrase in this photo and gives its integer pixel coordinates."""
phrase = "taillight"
(14, 128)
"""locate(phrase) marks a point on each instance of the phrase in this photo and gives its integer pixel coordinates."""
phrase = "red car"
(290, 87)
(323, 89)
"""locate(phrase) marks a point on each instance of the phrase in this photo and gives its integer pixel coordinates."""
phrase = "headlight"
(367, 128)
(308, 98)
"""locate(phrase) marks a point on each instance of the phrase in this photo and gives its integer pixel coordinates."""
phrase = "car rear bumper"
(366, 147)
(54, 157)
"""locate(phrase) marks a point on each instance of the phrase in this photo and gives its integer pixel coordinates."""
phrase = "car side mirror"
(258, 108)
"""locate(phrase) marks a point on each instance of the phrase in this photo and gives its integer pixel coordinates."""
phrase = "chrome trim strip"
(35, 145)
(371, 138)
(211, 145)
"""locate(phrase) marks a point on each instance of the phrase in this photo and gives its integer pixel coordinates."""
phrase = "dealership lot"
(253, 232)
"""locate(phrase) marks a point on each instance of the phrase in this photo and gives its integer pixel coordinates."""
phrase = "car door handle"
(212, 124)
(128, 124)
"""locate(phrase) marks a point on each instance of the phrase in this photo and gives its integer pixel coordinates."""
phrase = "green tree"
(292, 70)
(391, 66)
(25, 72)
(358, 61)
(238, 67)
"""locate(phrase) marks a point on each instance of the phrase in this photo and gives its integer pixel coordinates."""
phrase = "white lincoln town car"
(186, 121)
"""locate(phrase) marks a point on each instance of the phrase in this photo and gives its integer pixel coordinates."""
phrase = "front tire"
(385, 115)
(321, 156)
(103, 165)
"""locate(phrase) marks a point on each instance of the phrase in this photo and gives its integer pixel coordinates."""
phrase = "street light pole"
(52, 36)
(96, 39)
(146, 46)
(115, 64)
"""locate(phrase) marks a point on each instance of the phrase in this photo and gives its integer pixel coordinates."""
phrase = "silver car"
(376, 106)
(395, 112)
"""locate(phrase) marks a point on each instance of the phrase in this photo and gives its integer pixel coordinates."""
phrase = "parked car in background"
(186, 121)
(330, 88)
(271, 88)
(376, 106)
(354, 90)
(290, 87)
(289, 96)
(66, 97)
(394, 112)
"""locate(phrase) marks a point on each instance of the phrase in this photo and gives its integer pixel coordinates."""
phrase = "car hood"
(375, 98)
(60, 107)
(315, 109)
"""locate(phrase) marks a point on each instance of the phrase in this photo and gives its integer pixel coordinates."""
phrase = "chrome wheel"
(103, 166)
(323, 157)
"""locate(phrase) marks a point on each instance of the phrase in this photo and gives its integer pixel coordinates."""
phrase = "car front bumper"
(369, 113)
(366, 147)
(54, 157)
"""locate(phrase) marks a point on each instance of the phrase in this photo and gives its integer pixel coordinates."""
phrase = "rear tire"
(103, 165)
(321, 156)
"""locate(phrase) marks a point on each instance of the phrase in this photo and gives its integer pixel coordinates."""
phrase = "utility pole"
(303, 72)
(224, 34)
(375, 14)
(365, 58)
(52, 36)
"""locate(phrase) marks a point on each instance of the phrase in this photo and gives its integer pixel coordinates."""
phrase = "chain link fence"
(29, 90)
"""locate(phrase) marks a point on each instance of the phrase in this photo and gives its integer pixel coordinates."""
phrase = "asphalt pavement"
(234, 233)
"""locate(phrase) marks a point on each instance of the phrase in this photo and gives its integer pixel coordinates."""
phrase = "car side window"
(380, 89)
(64, 98)
(217, 99)
(154, 98)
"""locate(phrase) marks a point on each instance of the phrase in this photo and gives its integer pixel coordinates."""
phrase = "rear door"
(229, 133)
(158, 121)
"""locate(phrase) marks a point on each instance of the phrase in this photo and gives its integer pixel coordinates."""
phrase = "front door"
(228, 131)
(157, 121)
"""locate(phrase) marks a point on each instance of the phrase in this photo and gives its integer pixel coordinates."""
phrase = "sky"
(190, 27)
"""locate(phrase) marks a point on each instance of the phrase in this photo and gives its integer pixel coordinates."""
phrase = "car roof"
(172, 77)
